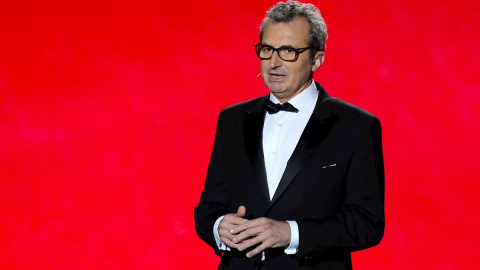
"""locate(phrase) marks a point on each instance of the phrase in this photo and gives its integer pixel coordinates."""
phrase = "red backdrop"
(108, 111)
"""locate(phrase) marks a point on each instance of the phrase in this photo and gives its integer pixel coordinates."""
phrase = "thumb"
(241, 211)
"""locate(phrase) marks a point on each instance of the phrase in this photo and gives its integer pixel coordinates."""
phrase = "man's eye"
(289, 50)
(266, 49)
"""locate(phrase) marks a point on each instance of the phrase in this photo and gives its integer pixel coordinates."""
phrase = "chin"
(275, 88)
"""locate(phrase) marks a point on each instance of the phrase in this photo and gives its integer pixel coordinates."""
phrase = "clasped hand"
(237, 232)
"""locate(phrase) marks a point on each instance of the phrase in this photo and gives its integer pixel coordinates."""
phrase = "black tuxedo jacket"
(333, 185)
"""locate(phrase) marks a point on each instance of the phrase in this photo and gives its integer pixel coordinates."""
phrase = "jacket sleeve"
(213, 201)
(360, 222)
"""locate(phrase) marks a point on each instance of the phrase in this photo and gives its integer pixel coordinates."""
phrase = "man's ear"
(318, 60)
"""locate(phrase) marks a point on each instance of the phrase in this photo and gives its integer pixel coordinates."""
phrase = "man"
(296, 177)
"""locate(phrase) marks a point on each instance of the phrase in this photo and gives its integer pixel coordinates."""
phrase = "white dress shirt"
(281, 133)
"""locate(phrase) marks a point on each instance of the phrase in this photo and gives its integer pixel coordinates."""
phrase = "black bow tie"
(275, 108)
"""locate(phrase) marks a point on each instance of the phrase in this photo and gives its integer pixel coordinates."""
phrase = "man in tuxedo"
(296, 178)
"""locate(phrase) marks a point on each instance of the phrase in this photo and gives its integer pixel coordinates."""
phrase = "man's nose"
(275, 60)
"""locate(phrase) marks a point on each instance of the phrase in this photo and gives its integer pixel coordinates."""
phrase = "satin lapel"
(253, 129)
(313, 134)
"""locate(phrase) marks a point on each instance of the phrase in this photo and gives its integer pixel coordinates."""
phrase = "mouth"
(274, 77)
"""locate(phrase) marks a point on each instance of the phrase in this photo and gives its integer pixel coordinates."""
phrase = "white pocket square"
(328, 166)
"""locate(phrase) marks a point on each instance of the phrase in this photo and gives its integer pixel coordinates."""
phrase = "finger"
(228, 242)
(225, 233)
(257, 250)
(232, 220)
(249, 224)
(224, 230)
(226, 238)
(247, 234)
(248, 243)
(242, 210)
(271, 234)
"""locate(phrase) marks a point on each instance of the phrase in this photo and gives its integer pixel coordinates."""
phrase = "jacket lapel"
(315, 131)
(253, 130)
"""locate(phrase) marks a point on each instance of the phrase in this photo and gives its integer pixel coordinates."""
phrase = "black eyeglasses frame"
(298, 51)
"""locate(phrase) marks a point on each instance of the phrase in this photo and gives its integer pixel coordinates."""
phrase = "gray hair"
(287, 11)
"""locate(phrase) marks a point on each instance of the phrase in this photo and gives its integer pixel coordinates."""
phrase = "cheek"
(263, 65)
(264, 70)
(302, 72)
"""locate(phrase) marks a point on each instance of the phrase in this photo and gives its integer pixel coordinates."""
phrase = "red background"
(108, 111)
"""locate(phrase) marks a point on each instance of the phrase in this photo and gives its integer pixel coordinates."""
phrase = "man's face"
(287, 79)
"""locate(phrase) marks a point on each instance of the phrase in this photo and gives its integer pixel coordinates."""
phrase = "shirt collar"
(303, 101)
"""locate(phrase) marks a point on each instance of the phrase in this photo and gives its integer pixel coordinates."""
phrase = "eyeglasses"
(286, 53)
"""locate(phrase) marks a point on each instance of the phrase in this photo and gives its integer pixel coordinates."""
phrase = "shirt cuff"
(220, 245)
(294, 240)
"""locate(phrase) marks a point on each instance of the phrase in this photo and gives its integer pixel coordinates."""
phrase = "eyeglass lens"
(285, 53)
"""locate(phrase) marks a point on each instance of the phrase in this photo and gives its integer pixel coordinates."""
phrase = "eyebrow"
(280, 46)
